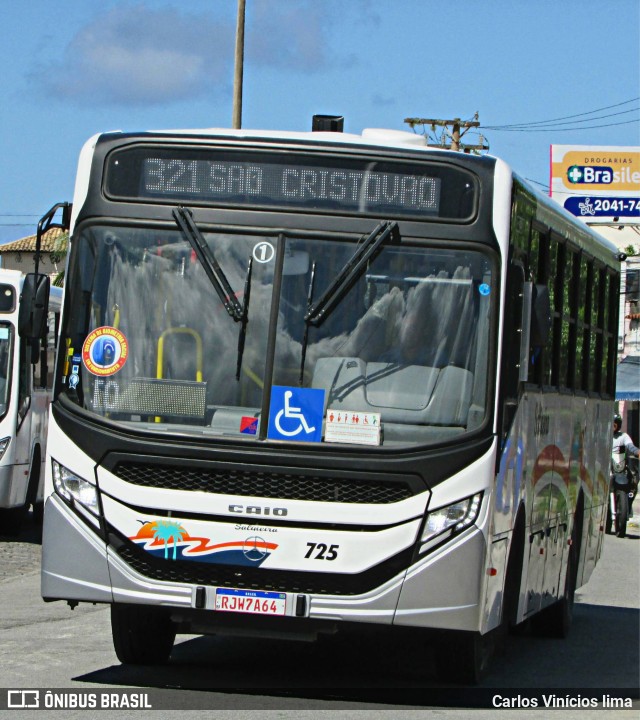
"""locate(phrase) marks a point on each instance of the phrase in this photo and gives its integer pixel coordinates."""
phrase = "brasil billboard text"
(597, 182)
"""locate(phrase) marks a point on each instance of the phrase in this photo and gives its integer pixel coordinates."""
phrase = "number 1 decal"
(263, 252)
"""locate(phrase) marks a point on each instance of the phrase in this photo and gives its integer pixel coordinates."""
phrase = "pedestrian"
(623, 446)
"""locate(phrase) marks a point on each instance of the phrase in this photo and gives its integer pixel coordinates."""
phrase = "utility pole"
(458, 129)
(236, 121)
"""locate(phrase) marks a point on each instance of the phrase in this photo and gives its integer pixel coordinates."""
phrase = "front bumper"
(442, 590)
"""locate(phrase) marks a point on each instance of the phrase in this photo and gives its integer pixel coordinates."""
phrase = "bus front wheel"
(142, 635)
(463, 657)
(11, 520)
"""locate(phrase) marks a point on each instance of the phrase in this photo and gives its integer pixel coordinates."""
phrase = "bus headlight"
(4, 444)
(74, 488)
(445, 522)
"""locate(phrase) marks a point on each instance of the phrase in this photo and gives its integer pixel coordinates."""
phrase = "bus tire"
(34, 477)
(11, 520)
(622, 512)
(38, 512)
(463, 657)
(142, 635)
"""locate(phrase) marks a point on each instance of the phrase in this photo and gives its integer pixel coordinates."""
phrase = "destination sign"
(276, 180)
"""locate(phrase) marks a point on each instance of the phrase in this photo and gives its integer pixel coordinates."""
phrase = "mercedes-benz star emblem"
(254, 548)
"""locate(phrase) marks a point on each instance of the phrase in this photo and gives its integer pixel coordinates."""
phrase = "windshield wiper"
(305, 338)
(244, 319)
(240, 313)
(369, 247)
(184, 218)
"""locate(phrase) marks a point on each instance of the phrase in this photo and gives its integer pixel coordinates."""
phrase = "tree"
(168, 531)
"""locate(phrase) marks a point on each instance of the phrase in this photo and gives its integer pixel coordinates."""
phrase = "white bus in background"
(26, 375)
(313, 381)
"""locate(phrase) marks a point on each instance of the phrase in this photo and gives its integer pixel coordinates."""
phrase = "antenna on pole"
(236, 121)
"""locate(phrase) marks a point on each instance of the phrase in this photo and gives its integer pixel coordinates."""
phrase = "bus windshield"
(149, 342)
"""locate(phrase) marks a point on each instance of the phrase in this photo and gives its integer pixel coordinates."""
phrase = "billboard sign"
(597, 183)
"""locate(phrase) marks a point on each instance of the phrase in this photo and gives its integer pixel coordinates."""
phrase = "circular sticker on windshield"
(263, 252)
(484, 289)
(105, 351)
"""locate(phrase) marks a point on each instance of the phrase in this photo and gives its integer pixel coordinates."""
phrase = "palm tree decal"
(168, 531)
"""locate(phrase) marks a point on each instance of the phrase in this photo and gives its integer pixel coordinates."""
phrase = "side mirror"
(34, 306)
(540, 316)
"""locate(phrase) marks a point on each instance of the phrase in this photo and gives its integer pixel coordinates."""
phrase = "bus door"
(559, 502)
(540, 472)
(24, 399)
(556, 545)
(537, 539)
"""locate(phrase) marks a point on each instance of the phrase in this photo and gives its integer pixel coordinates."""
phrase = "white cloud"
(137, 55)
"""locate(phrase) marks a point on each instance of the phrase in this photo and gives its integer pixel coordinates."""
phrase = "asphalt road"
(46, 645)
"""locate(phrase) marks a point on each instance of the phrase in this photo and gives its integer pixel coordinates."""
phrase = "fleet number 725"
(320, 551)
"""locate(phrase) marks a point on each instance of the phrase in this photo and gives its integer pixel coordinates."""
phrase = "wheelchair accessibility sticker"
(296, 414)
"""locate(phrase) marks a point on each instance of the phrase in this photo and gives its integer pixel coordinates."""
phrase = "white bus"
(26, 385)
(314, 381)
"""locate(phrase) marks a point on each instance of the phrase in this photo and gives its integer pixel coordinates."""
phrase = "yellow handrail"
(160, 360)
(186, 331)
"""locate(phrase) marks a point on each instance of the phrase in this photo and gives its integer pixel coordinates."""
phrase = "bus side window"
(536, 273)
(512, 345)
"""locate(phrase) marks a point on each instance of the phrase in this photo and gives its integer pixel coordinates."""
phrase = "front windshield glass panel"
(6, 343)
(149, 341)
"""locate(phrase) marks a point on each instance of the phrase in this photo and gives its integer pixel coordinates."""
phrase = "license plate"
(255, 602)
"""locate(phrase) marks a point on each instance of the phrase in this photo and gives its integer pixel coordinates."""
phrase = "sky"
(73, 68)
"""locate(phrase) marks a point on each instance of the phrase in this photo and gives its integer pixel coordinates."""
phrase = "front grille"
(264, 484)
(242, 577)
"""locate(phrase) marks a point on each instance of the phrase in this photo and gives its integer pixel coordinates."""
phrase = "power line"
(551, 124)
(537, 182)
(30, 219)
(557, 129)
(568, 117)
(567, 123)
